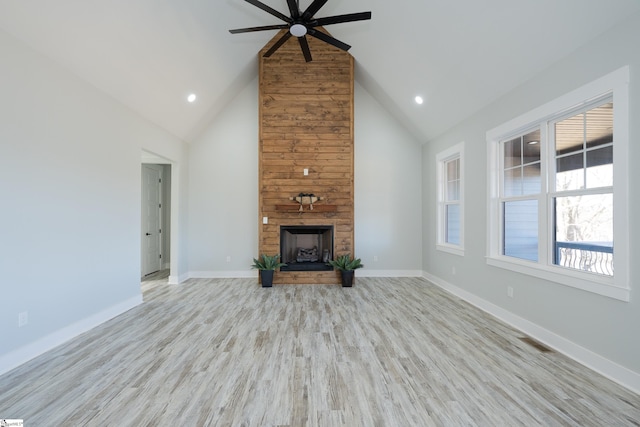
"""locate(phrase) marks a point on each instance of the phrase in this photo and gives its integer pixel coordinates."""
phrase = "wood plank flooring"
(387, 352)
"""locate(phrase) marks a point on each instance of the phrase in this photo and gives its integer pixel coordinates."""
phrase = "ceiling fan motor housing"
(298, 30)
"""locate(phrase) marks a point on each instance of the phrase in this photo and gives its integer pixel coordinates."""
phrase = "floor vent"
(535, 344)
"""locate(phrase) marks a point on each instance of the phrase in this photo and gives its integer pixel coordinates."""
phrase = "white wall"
(599, 331)
(388, 199)
(69, 203)
(223, 191)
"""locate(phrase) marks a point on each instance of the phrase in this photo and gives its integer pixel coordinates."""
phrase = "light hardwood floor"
(387, 352)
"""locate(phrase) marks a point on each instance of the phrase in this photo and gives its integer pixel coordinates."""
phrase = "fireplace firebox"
(306, 247)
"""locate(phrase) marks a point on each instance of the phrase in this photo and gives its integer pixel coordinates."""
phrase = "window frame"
(442, 158)
(614, 84)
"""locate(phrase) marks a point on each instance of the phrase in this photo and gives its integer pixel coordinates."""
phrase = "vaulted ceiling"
(459, 55)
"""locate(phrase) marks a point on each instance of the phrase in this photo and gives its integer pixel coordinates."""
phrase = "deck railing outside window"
(594, 257)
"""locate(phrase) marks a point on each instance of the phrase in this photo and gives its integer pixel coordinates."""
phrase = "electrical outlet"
(453, 271)
(510, 291)
(228, 258)
(23, 319)
(375, 258)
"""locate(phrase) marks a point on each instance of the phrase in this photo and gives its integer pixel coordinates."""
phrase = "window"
(451, 200)
(582, 200)
(521, 188)
(553, 189)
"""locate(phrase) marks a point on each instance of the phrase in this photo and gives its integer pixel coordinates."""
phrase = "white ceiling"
(459, 55)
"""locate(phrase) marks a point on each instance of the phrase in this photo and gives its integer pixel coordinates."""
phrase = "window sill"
(585, 281)
(451, 249)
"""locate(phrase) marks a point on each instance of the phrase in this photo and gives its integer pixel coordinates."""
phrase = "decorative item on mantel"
(306, 199)
(302, 200)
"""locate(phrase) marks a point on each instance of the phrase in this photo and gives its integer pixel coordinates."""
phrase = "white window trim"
(456, 151)
(618, 287)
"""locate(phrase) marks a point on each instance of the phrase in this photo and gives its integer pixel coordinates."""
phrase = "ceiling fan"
(302, 23)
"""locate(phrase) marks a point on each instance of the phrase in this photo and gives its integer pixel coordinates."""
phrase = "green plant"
(267, 262)
(345, 263)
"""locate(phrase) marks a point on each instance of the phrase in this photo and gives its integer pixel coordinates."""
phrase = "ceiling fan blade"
(270, 10)
(305, 48)
(277, 45)
(312, 9)
(342, 18)
(293, 8)
(328, 39)
(266, 27)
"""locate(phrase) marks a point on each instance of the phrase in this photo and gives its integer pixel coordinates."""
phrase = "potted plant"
(347, 266)
(267, 265)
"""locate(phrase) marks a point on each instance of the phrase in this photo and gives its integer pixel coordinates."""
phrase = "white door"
(151, 229)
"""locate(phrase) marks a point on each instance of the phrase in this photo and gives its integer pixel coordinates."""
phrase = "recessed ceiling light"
(419, 100)
(191, 98)
(533, 142)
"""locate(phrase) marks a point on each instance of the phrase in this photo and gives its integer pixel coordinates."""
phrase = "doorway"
(155, 219)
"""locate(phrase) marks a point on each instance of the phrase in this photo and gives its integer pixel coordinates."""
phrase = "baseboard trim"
(615, 372)
(388, 273)
(224, 274)
(30, 351)
(176, 280)
(251, 274)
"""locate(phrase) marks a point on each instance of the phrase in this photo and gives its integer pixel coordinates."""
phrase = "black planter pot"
(266, 277)
(347, 278)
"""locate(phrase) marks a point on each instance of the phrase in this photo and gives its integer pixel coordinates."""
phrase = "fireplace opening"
(306, 247)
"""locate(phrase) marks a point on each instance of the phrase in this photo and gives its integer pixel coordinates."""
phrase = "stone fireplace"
(306, 247)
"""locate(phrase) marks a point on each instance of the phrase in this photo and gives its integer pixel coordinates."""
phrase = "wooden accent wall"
(306, 122)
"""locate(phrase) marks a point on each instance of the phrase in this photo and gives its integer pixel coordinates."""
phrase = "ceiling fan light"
(298, 30)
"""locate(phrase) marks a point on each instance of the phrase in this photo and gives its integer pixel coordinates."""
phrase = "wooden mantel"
(306, 122)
